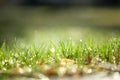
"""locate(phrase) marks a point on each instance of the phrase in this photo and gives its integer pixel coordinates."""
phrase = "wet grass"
(51, 38)
(82, 52)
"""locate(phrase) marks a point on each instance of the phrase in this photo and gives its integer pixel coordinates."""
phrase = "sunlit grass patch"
(82, 52)
(62, 58)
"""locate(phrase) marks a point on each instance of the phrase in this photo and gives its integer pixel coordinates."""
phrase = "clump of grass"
(82, 51)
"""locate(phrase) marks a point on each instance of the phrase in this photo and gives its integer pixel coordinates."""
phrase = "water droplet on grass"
(80, 40)
(52, 50)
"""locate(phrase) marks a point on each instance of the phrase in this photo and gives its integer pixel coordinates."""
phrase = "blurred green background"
(45, 20)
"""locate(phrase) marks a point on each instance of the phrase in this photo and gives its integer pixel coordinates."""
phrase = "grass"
(54, 27)
(83, 52)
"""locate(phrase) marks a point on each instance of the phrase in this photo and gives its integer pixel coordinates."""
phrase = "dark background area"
(61, 2)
